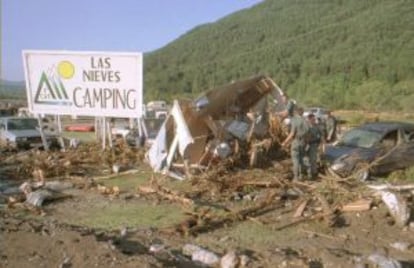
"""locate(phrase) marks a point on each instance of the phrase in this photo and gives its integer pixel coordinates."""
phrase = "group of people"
(307, 137)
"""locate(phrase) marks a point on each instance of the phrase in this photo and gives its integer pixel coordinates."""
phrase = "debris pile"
(232, 123)
(253, 196)
(86, 160)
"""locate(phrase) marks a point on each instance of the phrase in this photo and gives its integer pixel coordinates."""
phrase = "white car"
(20, 133)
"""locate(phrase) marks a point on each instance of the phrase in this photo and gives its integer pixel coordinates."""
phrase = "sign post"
(42, 134)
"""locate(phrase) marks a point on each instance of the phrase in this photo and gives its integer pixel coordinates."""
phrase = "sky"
(100, 25)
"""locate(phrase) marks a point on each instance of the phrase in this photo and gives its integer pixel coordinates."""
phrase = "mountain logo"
(51, 89)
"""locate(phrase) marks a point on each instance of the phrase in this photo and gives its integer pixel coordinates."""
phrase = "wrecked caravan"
(199, 133)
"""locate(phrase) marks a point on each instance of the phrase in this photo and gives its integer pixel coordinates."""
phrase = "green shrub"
(409, 174)
(399, 175)
(357, 119)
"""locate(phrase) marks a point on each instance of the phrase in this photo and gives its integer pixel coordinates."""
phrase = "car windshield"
(360, 138)
(22, 124)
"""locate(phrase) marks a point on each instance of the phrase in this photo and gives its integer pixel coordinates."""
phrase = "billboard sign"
(84, 83)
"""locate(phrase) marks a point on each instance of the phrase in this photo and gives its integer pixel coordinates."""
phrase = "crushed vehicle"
(376, 148)
(229, 120)
(22, 133)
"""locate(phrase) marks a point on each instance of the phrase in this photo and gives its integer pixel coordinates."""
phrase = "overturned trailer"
(199, 133)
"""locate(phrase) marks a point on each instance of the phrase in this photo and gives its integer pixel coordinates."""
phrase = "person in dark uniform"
(315, 139)
(298, 131)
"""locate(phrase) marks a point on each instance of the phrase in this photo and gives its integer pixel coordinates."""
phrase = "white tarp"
(158, 153)
(184, 134)
(84, 83)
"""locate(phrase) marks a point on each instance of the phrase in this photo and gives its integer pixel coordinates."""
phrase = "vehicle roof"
(386, 126)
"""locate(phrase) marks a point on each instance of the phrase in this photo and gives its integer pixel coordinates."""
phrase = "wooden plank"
(359, 205)
(299, 211)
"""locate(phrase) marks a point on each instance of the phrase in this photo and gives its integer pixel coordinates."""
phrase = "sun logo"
(66, 69)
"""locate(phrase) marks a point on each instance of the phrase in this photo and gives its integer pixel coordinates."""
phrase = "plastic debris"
(402, 246)
(397, 206)
(384, 262)
(37, 198)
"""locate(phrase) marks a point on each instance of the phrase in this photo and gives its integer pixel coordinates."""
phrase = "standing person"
(330, 127)
(288, 112)
(298, 131)
(322, 128)
(315, 139)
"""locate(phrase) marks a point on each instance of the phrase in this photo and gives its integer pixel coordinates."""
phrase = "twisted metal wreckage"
(196, 134)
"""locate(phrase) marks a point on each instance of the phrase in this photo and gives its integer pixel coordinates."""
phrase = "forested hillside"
(338, 53)
(12, 90)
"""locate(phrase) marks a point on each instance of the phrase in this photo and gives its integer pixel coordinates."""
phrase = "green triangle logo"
(51, 93)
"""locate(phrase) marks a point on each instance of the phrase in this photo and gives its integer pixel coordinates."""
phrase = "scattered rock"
(201, 255)
(205, 257)
(244, 260)
(384, 262)
(124, 232)
(230, 260)
(66, 263)
(155, 248)
(402, 246)
(189, 249)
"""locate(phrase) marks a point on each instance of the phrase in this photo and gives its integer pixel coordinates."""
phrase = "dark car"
(382, 146)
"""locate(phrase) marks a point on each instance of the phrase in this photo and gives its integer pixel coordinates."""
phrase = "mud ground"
(91, 229)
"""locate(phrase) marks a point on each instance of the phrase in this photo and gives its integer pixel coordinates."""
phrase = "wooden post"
(103, 132)
(96, 125)
(142, 128)
(59, 124)
(109, 133)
